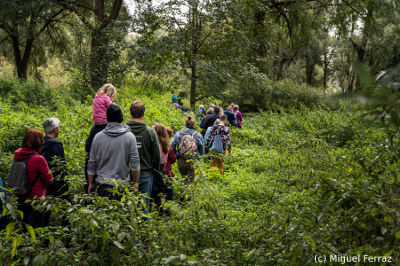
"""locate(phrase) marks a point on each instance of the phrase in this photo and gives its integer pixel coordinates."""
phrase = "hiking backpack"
(18, 177)
(217, 146)
(187, 146)
(235, 121)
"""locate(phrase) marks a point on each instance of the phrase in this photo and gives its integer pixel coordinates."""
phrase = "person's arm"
(91, 168)
(91, 187)
(156, 155)
(44, 171)
(240, 116)
(61, 166)
(200, 145)
(203, 123)
(210, 137)
(135, 178)
(171, 157)
(134, 161)
(108, 101)
(228, 142)
(174, 143)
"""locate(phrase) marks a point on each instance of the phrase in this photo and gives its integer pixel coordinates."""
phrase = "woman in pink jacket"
(103, 99)
(238, 115)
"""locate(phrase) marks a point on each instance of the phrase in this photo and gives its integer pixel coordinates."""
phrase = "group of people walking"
(134, 154)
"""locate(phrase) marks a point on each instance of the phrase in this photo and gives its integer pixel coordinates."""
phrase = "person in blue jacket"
(53, 152)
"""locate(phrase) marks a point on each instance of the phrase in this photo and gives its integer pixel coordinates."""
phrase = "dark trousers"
(161, 187)
(186, 168)
(88, 144)
(32, 217)
(104, 190)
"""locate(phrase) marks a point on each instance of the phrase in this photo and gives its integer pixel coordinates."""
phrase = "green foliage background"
(301, 182)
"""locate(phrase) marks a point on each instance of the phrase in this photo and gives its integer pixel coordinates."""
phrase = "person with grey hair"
(201, 113)
(53, 152)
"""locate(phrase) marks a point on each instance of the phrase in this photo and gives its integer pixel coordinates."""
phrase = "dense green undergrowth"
(299, 183)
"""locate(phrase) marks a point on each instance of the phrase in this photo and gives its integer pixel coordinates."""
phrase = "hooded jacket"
(209, 121)
(114, 151)
(148, 146)
(37, 166)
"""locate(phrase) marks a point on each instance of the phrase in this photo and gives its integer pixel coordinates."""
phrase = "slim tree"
(23, 22)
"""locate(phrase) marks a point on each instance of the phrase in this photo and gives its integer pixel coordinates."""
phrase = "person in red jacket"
(39, 176)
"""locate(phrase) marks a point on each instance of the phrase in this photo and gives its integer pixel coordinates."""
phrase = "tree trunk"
(309, 70)
(193, 84)
(326, 64)
(22, 63)
(259, 49)
(98, 46)
(98, 62)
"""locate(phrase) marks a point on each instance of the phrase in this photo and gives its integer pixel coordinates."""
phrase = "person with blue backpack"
(221, 142)
(231, 116)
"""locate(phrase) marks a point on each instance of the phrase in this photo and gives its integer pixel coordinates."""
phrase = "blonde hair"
(109, 90)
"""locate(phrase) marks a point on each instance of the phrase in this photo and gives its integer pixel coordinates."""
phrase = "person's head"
(210, 111)
(189, 123)
(162, 135)
(137, 110)
(201, 106)
(232, 104)
(109, 90)
(236, 107)
(217, 122)
(216, 110)
(229, 108)
(212, 105)
(33, 139)
(169, 131)
(51, 126)
(114, 114)
(223, 119)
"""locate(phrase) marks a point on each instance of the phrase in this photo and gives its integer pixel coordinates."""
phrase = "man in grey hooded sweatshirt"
(113, 155)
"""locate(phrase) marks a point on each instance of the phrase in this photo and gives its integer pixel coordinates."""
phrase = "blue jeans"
(145, 187)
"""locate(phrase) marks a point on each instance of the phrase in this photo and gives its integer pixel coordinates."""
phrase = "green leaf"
(31, 232)
(94, 223)
(9, 229)
(39, 260)
(16, 243)
(118, 244)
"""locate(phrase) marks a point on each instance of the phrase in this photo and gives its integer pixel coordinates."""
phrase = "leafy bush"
(32, 94)
(299, 183)
(256, 92)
